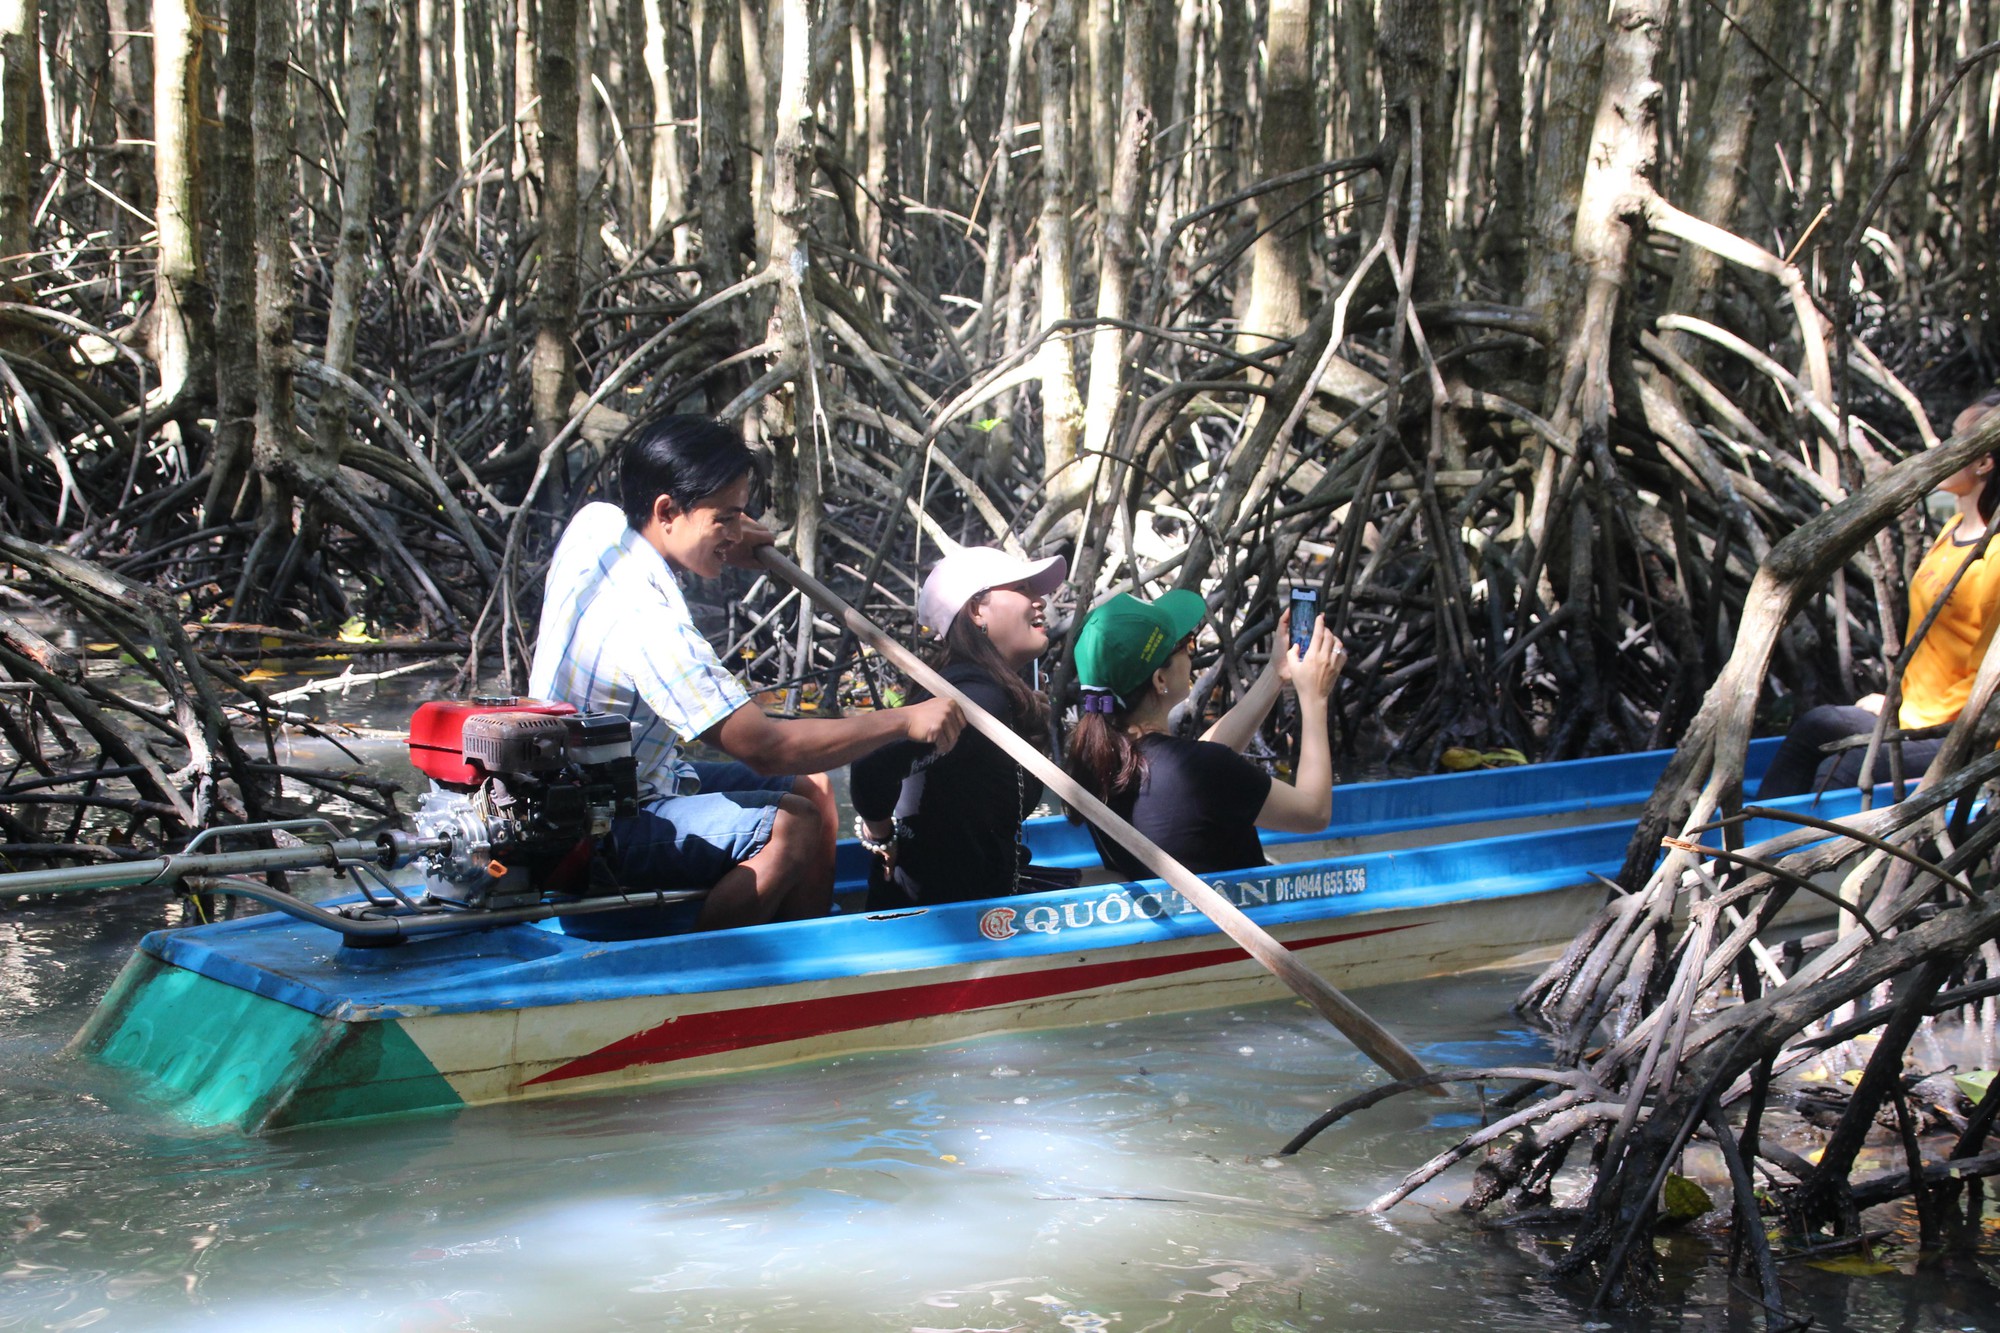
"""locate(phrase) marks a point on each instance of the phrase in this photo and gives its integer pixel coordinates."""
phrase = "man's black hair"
(687, 458)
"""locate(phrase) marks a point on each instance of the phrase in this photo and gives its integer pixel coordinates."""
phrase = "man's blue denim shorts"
(689, 842)
(683, 842)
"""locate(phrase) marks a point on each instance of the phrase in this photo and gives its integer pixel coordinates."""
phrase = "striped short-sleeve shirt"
(616, 637)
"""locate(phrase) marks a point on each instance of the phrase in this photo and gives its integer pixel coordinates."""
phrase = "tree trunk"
(1500, 240)
(427, 94)
(357, 209)
(1615, 190)
(20, 89)
(131, 94)
(632, 84)
(185, 305)
(1118, 224)
(1876, 29)
(727, 239)
(1102, 121)
(461, 101)
(1235, 53)
(277, 449)
(790, 177)
(1062, 407)
(551, 381)
(1287, 139)
(759, 87)
(1718, 141)
(100, 123)
(1178, 186)
(667, 187)
(593, 172)
(236, 373)
(409, 144)
(1562, 137)
(527, 108)
(792, 152)
(1975, 192)
(882, 112)
(934, 97)
(1414, 82)
(999, 231)
(1356, 35)
(1471, 129)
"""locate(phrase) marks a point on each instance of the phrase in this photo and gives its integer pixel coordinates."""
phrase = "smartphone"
(1305, 610)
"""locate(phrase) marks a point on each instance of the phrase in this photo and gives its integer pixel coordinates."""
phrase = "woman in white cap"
(947, 828)
(1200, 801)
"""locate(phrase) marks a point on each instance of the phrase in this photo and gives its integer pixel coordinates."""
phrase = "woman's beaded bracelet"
(873, 846)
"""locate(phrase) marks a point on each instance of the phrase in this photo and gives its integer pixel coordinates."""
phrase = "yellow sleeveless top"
(1938, 680)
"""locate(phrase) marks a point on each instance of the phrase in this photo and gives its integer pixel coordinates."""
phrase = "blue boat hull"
(267, 1022)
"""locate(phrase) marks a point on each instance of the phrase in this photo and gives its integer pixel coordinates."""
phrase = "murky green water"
(1117, 1178)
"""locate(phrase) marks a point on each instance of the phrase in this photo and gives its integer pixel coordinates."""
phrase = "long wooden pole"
(1374, 1040)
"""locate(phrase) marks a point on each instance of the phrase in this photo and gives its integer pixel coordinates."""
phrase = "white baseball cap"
(970, 570)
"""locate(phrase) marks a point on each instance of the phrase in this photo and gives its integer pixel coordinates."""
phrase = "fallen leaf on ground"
(1853, 1265)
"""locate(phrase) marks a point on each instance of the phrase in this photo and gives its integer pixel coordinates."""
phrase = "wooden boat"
(268, 1022)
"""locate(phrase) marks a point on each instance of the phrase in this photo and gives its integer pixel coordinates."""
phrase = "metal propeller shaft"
(390, 850)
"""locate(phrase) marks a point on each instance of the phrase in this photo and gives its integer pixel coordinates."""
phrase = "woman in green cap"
(1201, 801)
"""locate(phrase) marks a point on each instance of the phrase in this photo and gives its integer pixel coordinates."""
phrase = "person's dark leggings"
(1800, 765)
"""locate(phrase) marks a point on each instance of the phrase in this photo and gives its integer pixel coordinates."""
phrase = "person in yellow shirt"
(1938, 679)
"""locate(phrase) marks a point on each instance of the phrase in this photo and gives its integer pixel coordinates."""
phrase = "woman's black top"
(1198, 801)
(958, 815)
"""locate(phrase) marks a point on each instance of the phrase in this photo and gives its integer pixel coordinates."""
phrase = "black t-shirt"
(961, 811)
(1198, 801)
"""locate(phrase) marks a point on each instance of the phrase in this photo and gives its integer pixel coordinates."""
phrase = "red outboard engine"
(521, 788)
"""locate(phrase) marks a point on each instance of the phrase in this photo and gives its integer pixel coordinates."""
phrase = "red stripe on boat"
(693, 1035)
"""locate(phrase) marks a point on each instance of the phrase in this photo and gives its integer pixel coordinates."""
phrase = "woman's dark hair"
(686, 458)
(1989, 495)
(966, 642)
(1100, 755)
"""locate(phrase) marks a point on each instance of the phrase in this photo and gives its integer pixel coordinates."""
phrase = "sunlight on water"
(1119, 1177)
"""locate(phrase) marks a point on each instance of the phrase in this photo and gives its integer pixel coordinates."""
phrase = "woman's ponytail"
(1103, 758)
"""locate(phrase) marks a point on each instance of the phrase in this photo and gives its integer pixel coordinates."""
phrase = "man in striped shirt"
(616, 637)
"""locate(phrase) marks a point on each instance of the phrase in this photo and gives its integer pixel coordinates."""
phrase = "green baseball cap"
(1125, 641)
